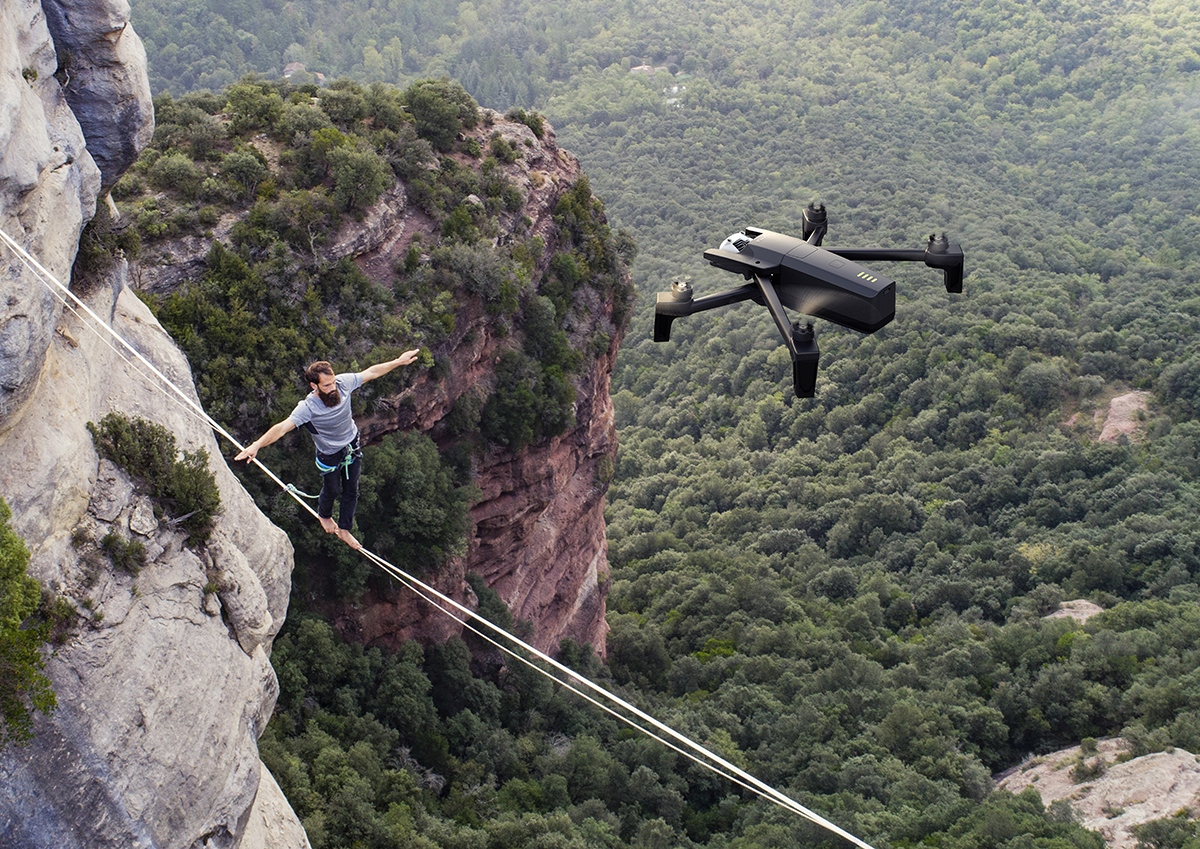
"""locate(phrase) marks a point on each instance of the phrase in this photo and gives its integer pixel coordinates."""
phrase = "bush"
(532, 120)
(442, 109)
(127, 555)
(1084, 771)
(203, 138)
(23, 687)
(360, 176)
(343, 101)
(252, 106)
(459, 225)
(408, 154)
(479, 269)
(300, 121)
(147, 453)
(245, 171)
(177, 173)
(503, 150)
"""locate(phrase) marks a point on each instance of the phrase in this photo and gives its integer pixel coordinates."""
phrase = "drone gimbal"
(822, 282)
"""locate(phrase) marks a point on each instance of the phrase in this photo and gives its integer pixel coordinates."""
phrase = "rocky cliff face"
(164, 683)
(46, 175)
(538, 534)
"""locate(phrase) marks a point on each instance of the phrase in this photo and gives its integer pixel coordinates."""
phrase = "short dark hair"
(313, 373)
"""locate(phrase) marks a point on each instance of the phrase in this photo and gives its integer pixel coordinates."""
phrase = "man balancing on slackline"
(325, 413)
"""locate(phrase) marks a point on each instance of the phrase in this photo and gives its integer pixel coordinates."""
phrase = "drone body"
(821, 282)
(812, 280)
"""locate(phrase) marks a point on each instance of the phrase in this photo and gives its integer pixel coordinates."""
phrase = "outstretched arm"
(250, 452)
(380, 369)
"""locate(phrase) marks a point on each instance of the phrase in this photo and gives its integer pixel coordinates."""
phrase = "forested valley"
(844, 595)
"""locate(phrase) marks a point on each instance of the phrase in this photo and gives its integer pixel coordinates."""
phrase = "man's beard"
(331, 399)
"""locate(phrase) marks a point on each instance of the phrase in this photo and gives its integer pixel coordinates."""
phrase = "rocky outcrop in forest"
(1108, 789)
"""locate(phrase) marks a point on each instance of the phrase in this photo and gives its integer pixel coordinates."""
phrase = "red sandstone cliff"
(538, 534)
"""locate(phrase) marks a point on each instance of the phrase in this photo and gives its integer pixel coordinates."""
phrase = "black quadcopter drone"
(822, 282)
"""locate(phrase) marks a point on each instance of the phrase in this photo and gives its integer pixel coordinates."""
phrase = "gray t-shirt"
(332, 428)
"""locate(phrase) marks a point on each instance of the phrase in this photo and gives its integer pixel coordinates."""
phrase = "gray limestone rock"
(382, 225)
(242, 596)
(102, 67)
(111, 493)
(160, 703)
(48, 189)
(141, 518)
(272, 822)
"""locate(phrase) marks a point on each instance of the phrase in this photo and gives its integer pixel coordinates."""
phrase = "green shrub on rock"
(147, 452)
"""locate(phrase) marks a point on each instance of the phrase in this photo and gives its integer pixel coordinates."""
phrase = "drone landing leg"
(801, 342)
(805, 356)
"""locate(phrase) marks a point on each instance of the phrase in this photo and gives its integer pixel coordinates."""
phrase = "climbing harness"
(571, 680)
(349, 454)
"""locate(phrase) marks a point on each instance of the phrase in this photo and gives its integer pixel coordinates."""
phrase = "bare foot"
(346, 537)
(329, 525)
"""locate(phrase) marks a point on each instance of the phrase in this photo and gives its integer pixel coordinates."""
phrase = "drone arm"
(771, 298)
(938, 254)
(869, 254)
(669, 307)
(799, 341)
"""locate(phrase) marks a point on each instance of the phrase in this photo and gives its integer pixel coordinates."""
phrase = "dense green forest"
(842, 594)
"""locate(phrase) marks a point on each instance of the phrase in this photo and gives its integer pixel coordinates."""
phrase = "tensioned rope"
(683, 744)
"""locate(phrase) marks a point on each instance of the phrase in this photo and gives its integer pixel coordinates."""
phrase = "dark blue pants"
(343, 483)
